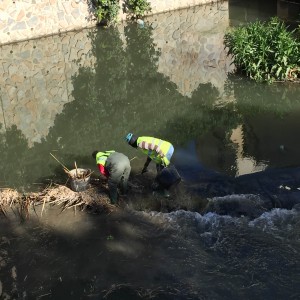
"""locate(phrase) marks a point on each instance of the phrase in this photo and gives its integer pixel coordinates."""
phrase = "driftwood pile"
(90, 198)
(91, 195)
(61, 195)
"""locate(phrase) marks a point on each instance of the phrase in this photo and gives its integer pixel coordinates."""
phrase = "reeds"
(77, 173)
(58, 195)
(64, 167)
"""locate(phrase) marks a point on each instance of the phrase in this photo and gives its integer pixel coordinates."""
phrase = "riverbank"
(88, 256)
(139, 255)
(22, 20)
(249, 195)
(95, 198)
(59, 195)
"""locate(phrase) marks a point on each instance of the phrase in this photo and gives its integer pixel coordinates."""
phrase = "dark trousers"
(118, 166)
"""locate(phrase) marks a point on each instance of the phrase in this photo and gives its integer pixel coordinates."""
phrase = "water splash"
(279, 220)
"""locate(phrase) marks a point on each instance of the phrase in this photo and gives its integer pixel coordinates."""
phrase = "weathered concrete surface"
(191, 46)
(23, 20)
(36, 81)
(36, 74)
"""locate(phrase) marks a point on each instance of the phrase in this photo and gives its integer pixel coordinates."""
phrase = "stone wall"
(36, 79)
(192, 48)
(27, 19)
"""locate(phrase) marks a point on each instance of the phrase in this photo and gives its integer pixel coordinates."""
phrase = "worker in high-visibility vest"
(157, 150)
(116, 167)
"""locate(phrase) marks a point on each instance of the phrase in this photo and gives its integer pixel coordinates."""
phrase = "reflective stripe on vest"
(155, 148)
(101, 157)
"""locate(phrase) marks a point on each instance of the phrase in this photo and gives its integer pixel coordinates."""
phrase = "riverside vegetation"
(106, 11)
(265, 51)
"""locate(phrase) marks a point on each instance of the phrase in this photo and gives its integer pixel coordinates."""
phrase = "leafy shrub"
(265, 51)
(137, 8)
(106, 11)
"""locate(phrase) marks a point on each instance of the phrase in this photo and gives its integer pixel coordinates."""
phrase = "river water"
(235, 144)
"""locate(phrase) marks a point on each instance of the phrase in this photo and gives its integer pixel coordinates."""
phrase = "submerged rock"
(253, 194)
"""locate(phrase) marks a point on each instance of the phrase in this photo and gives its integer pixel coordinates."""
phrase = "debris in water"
(61, 195)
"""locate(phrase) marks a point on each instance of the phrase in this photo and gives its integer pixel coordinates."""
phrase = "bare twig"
(76, 169)
(133, 158)
(60, 162)
(76, 204)
(2, 209)
(43, 206)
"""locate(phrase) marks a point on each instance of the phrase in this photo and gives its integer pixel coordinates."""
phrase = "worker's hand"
(144, 170)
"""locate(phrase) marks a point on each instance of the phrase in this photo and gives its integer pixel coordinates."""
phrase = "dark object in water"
(79, 179)
(168, 177)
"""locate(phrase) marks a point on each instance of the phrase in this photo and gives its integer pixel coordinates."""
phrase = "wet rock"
(14, 273)
(238, 205)
(251, 194)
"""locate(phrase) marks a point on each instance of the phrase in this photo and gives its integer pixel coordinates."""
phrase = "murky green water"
(71, 94)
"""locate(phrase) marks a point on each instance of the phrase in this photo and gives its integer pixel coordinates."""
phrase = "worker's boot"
(113, 196)
(123, 187)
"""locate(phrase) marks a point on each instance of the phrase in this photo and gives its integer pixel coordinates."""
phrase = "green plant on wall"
(136, 8)
(106, 11)
(265, 51)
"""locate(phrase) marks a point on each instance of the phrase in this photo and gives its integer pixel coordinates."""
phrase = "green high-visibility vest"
(101, 157)
(155, 148)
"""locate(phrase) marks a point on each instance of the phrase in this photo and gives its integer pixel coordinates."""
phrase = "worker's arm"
(153, 147)
(146, 165)
(103, 171)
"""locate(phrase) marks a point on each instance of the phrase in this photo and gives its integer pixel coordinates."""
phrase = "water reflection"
(81, 91)
(192, 49)
(242, 11)
(244, 164)
(249, 11)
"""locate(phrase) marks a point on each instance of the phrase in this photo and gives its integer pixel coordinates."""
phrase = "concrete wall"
(36, 81)
(27, 19)
(36, 74)
(191, 46)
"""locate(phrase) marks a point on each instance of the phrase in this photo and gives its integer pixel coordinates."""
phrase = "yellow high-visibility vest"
(155, 148)
(101, 157)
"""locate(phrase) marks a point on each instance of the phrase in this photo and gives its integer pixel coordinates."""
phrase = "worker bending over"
(157, 150)
(116, 167)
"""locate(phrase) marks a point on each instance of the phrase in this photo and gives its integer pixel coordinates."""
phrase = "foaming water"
(208, 256)
(277, 221)
(240, 257)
